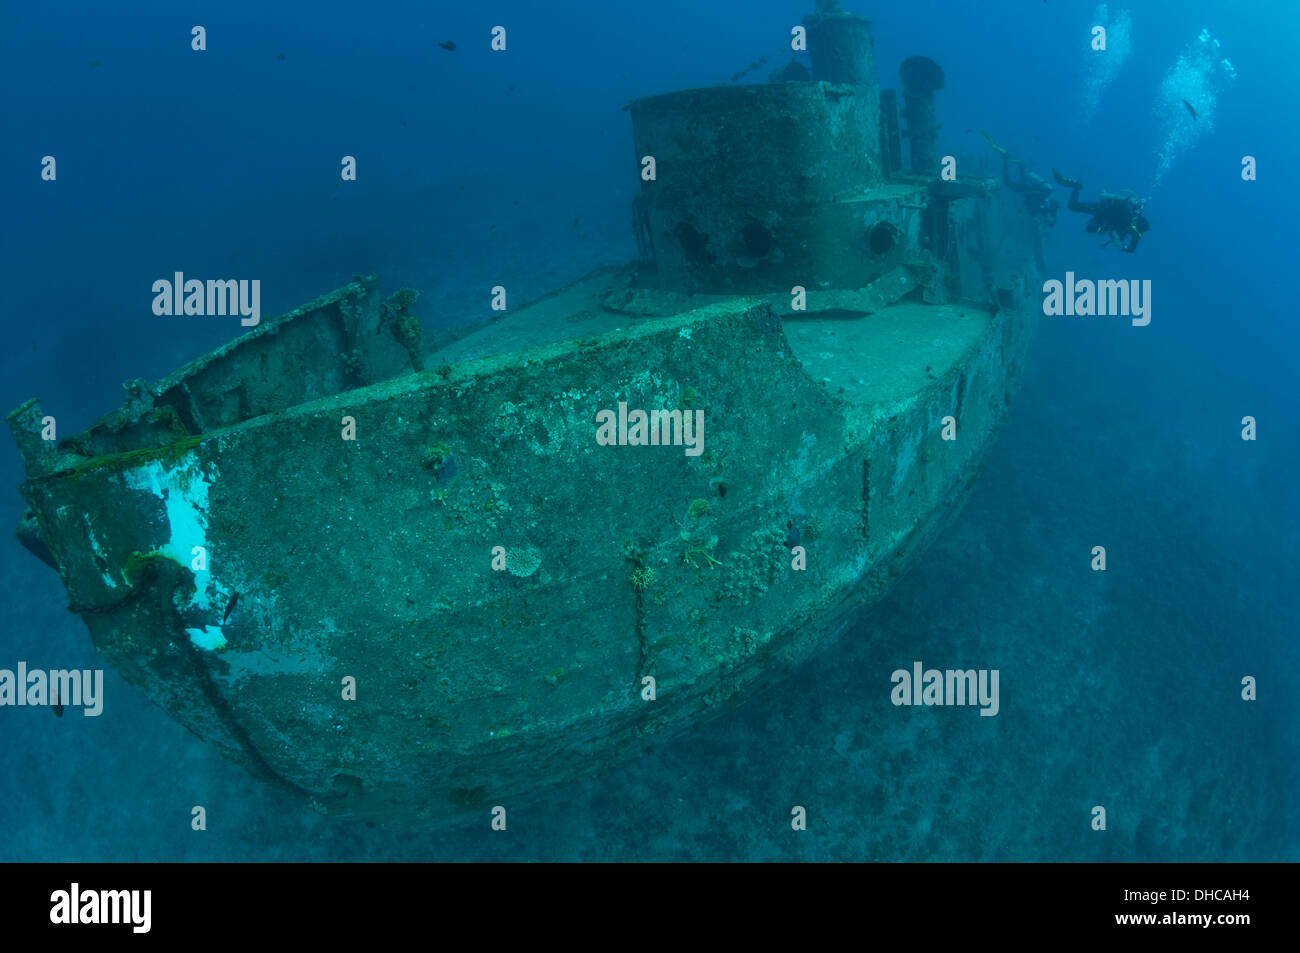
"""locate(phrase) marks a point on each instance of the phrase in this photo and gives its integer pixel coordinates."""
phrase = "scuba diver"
(1039, 200)
(1117, 216)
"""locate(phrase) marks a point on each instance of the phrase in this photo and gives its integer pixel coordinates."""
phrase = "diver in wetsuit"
(1039, 200)
(1117, 216)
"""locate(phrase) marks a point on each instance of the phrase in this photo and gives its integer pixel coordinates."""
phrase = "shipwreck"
(401, 576)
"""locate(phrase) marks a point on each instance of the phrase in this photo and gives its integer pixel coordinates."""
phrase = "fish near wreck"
(449, 592)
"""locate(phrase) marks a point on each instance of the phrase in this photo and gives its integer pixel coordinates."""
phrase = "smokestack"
(921, 77)
(841, 47)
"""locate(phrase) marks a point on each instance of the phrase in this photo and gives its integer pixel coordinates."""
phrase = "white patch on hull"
(183, 488)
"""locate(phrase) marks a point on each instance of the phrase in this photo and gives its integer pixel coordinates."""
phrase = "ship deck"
(883, 357)
(867, 359)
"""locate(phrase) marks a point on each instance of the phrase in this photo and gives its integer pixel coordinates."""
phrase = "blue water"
(1120, 689)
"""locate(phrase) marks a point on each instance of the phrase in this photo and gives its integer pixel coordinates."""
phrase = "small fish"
(791, 534)
(1191, 109)
(280, 57)
(448, 45)
(57, 705)
(230, 607)
(93, 63)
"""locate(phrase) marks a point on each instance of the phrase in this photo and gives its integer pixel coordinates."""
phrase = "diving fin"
(989, 140)
(1067, 182)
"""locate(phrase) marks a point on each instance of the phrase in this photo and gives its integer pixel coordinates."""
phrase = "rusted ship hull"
(403, 595)
(330, 558)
